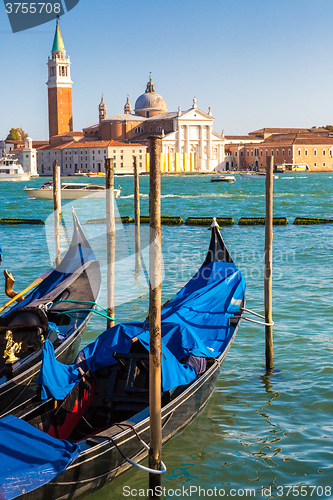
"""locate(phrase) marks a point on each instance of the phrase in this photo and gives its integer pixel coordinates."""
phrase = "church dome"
(150, 102)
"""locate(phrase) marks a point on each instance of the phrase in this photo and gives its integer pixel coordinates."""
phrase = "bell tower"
(59, 86)
(102, 110)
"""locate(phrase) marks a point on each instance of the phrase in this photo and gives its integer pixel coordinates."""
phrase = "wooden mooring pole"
(57, 209)
(110, 240)
(155, 290)
(269, 263)
(137, 218)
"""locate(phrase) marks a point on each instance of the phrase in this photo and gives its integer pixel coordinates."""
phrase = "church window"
(299, 152)
(324, 152)
(248, 153)
(241, 153)
(314, 152)
(289, 152)
(277, 152)
(272, 152)
(138, 130)
(305, 152)
(282, 152)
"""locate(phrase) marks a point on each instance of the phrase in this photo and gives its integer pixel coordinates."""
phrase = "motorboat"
(11, 170)
(223, 178)
(70, 191)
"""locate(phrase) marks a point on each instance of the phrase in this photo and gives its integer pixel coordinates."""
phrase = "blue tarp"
(196, 321)
(29, 457)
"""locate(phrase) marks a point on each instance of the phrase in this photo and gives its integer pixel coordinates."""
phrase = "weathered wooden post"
(110, 239)
(268, 263)
(57, 209)
(155, 290)
(137, 218)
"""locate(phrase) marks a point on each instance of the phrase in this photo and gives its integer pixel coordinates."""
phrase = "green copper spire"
(58, 44)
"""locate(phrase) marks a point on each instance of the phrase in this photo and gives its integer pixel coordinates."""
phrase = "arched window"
(138, 130)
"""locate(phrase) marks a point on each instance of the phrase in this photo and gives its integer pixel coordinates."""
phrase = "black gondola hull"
(99, 465)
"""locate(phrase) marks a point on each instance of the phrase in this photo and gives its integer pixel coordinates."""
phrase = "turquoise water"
(257, 431)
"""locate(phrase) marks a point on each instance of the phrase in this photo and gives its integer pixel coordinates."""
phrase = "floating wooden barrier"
(124, 220)
(300, 221)
(22, 221)
(260, 221)
(207, 221)
(167, 221)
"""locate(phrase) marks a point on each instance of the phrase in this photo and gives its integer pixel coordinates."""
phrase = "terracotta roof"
(89, 144)
(240, 137)
(272, 130)
(69, 134)
(124, 117)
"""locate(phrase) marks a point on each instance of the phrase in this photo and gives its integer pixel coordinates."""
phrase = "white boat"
(223, 178)
(10, 170)
(256, 175)
(70, 191)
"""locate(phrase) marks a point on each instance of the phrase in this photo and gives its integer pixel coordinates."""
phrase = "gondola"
(95, 415)
(44, 314)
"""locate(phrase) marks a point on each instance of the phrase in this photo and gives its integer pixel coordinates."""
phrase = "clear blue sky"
(256, 63)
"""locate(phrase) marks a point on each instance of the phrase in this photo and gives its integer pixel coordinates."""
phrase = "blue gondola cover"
(196, 321)
(30, 458)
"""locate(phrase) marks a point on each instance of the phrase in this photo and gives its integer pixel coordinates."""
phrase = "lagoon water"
(257, 431)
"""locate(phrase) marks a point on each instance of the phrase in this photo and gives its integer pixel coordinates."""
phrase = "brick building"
(309, 147)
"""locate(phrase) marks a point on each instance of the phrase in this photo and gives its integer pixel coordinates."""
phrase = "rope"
(258, 315)
(139, 466)
(258, 322)
(84, 310)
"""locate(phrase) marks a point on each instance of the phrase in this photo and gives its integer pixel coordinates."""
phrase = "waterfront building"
(311, 147)
(188, 139)
(89, 156)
